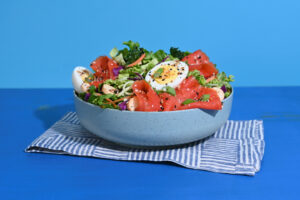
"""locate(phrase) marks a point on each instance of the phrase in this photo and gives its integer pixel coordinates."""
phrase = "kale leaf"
(133, 53)
(175, 52)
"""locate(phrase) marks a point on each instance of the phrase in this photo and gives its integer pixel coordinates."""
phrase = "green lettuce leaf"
(131, 71)
(160, 55)
(200, 78)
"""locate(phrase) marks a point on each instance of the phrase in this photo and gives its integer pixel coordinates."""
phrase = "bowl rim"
(127, 111)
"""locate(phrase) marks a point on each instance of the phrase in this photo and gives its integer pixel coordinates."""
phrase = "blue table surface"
(27, 113)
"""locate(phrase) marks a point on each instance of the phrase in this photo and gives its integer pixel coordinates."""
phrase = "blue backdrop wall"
(42, 41)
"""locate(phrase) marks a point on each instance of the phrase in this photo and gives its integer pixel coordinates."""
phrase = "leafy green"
(113, 52)
(171, 58)
(100, 99)
(188, 101)
(117, 83)
(118, 57)
(158, 91)
(133, 53)
(147, 67)
(93, 99)
(109, 106)
(132, 44)
(220, 80)
(160, 55)
(151, 59)
(81, 95)
(175, 52)
(171, 91)
(92, 89)
(158, 72)
(123, 77)
(200, 78)
(205, 97)
(131, 71)
(227, 94)
(148, 58)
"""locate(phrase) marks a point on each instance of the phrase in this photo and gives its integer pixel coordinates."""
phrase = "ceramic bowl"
(151, 128)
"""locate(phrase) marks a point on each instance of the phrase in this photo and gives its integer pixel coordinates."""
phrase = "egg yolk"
(83, 74)
(168, 75)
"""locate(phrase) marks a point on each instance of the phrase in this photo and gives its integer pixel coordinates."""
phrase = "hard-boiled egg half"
(79, 76)
(170, 73)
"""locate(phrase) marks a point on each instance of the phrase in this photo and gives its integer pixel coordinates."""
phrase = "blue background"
(42, 41)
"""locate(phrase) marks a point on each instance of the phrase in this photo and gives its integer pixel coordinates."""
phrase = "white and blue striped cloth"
(237, 148)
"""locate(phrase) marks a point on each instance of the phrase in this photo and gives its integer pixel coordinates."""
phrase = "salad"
(136, 79)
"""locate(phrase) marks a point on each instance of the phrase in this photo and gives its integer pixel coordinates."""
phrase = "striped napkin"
(237, 148)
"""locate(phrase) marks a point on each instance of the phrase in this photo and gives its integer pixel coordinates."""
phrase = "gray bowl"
(151, 128)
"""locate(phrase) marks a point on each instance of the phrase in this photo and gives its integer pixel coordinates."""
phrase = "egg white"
(77, 80)
(180, 77)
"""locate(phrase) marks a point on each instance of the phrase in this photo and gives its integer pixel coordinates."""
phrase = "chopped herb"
(188, 101)
(205, 97)
(171, 91)
(158, 73)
